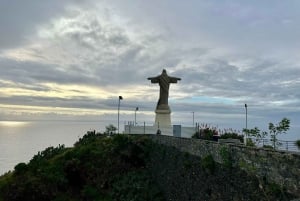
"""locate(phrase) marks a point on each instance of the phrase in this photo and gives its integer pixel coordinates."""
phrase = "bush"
(137, 186)
(250, 143)
(206, 132)
(208, 163)
(268, 147)
(20, 168)
(298, 144)
(232, 136)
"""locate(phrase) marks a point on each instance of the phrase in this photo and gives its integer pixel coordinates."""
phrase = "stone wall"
(279, 167)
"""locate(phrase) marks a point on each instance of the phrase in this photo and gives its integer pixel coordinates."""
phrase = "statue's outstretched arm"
(174, 79)
(154, 79)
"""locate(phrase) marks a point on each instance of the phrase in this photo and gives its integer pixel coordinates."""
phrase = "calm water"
(20, 141)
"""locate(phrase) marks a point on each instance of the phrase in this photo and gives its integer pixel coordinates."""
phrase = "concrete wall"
(186, 132)
(282, 168)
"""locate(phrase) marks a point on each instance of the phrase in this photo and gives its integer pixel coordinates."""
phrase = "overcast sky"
(72, 59)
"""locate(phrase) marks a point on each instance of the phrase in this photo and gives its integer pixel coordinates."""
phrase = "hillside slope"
(98, 167)
(134, 168)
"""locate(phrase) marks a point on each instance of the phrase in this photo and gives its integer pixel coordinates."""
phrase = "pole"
(120, 98)
(136, 109)
(246, 116)
(245, 139)
(193, 118)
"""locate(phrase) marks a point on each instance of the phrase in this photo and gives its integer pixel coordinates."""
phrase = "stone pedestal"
(163, 116)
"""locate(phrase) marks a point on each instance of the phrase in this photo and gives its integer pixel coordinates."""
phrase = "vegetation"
(207, 132)
(232, 135)
(274, 131)
(280, 128)
(254, 136)
(250, 143)
(98, 167)
(124, 168)
(256, 133)
(298, 144)
(226, 157)
(110, 129)
(208, 163)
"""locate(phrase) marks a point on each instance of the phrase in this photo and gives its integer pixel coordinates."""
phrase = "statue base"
(163, 118)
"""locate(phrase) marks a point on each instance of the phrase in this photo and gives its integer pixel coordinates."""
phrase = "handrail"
(280, 145)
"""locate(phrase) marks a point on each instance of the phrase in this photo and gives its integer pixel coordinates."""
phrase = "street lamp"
(120, 98)
(193, 118)
(246, 116)
(245, 138)
(136, 109)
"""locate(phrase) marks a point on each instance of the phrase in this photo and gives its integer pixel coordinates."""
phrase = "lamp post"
(245, 139)
(136, 109)
(193, 118)
(246, 116)
(120, 98)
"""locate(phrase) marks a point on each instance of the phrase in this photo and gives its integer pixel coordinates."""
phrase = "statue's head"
(164, 71)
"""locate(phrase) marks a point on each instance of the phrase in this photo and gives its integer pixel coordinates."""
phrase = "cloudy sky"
(70, 60)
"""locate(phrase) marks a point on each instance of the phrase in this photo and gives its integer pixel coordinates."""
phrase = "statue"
(164, 82)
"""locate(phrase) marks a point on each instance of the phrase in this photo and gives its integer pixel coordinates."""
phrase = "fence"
(279, 144)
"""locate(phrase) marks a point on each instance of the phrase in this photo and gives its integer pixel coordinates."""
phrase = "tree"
(254, 132)
(110, 129)
(274, 130)
(278, 129)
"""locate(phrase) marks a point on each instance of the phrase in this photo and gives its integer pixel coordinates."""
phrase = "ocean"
(21, 140)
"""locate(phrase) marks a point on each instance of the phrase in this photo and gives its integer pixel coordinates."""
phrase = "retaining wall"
(280, 167)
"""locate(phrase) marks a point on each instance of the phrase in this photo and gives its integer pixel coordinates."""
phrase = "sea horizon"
(21, 140)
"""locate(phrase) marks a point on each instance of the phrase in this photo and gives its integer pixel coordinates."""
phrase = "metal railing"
(279, 144)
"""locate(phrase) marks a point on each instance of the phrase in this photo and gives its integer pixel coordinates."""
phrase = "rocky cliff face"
(269, 166)
(182, 176)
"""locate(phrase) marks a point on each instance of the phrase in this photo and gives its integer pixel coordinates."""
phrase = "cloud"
(82, 55)
(86, 43)
(19, 20)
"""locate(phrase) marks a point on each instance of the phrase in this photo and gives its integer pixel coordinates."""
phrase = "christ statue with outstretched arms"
(164, 82)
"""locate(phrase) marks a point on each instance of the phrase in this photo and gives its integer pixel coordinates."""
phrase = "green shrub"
(208, 163)
(206, 133)
(90, 193)
(250, 143)
(268, 147)
(298, 144)
(232, 136)
(226, 157)
(21, 168)
(136, 186)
